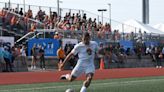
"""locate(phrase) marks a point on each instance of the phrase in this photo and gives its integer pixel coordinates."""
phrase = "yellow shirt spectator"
(60, 53)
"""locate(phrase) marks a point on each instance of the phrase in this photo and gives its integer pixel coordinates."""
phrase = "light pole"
(24, 5)
(110, 13)
(9, 4)
(58, 6)
(102, 10)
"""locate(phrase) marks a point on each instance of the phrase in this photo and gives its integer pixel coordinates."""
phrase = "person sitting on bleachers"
(33, 27)
(30, 14)
(21, 11)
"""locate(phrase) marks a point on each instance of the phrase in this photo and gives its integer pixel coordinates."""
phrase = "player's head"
(86, 38)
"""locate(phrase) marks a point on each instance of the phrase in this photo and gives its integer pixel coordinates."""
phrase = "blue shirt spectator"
(1, 54)
(6, 54)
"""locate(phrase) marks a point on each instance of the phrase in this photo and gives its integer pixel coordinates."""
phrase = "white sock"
(83, 89)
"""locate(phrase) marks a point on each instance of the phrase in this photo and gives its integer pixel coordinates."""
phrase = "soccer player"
(86, 51)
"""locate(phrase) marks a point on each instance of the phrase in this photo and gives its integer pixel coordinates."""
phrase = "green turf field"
(146, 84)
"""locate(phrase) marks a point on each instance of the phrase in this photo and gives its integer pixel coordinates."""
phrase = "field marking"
(93, 84)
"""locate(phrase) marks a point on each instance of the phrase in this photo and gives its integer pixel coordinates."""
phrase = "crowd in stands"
(17, 20)
(71, 21)
(118, 54)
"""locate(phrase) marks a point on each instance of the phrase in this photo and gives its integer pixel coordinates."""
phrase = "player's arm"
(72, 53)
(66, 59)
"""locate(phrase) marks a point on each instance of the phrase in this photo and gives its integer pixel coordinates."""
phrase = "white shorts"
(79, 69)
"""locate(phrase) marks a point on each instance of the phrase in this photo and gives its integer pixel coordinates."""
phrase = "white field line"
(93, 84)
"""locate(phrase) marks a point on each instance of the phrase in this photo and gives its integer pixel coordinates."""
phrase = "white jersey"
(86, 53)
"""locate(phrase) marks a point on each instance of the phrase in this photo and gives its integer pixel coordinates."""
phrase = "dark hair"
(86, 34)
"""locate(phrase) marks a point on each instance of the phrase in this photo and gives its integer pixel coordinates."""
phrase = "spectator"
(163, 51)
(33, 27)
(128, 52)
(13, 22)
(139, 52)
(21, 11)
(56, 36)
(34, 57)
(30, 14)
(109, 51)
(16, 10)
(159, 56)
(132, 36)
(148, 50)
(101, 55)
(122, 50)
(84, 17)
(14, 53)
(42, 59)
(2, 63)
(23, 55)
(61, 56)
(7, 57)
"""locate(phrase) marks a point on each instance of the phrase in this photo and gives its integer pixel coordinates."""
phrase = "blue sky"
(122, 10)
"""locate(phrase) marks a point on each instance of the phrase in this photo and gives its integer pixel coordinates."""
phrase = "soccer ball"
(69, 90)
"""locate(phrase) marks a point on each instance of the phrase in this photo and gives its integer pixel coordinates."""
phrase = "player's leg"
(69, 77)
(87, 82)
(89, 71)
(77, 71)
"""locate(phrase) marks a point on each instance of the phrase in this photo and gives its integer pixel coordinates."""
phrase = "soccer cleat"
(63, 77)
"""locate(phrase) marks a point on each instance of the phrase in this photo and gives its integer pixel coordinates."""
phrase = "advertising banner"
(7, 40)
(50, 46)
(126, 44)
(151, 43)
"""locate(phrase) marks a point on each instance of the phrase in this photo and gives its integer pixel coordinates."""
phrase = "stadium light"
(110, 12)
(24, 5)
(9, 4)
(58, 6)
(101, 10)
